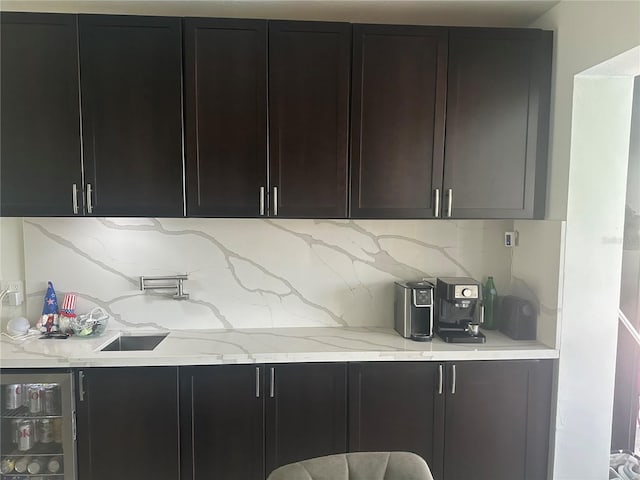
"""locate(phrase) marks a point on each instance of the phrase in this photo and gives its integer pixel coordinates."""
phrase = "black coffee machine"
(459, 310)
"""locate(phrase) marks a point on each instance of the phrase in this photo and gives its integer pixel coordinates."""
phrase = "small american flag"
(69, 303)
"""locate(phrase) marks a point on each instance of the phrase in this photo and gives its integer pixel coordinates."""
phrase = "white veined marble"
(270, 345)
(253, 273)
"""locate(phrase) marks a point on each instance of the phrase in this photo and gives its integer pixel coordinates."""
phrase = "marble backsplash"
(250, 273)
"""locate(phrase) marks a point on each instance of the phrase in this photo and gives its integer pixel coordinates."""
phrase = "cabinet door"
(130, 74)
(222, 422)
(497, 420)
(309, 65)
(398, 406)
(306, 413)
(397, 121)
(40, 119)
(497, 122)
(128, 423)
(226, 116)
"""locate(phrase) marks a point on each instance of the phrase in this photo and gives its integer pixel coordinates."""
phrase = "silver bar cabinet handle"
(436, 203)
(81, 385)
(257, 382)
(440, 379)
(449, 201)
(272, 383)
(275, 201)
(89, 204)
(74, 189)
(453, 379)
(261, 200)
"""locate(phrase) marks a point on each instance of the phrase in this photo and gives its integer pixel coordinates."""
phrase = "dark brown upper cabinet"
(39, 120)
(444, 122)
(131, 84)
(226, 116)
(397, 120)
(497, 123)
(309, 66)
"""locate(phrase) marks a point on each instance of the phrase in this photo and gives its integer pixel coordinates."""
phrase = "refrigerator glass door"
(37, 426)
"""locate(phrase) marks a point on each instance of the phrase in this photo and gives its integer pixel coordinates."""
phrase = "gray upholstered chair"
(357, 466)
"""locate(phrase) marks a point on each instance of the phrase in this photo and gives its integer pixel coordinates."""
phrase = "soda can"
(35, 398)
(25, 395)
(54, 465)
(15, 430)
(45, 433)
(52, 400)
(57, 430)
(13, 395)
(35, 466)
(21, 465)
(26, 435)
(7, 465)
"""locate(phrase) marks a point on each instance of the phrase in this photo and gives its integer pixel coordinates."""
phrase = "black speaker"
(518, 318)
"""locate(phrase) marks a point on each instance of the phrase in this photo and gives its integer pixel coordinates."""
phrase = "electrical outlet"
(12, 285)
(511, 239)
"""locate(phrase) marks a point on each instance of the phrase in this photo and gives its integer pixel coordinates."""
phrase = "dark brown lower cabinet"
(232, 415)
(480, 420)
(306, 414)
(128, 423)
(497, 418)
(474, 420)
(222, 412)
(397, 406)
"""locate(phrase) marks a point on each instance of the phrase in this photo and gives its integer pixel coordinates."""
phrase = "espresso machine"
(459, 310)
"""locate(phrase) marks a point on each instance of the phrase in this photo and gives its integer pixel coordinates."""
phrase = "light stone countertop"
(274, 345)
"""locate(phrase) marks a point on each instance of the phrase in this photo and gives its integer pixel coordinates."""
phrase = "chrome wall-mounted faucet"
(160, 283)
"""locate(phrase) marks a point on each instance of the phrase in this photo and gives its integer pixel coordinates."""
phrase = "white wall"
(535, 273)
(586, 33)
(600, 137)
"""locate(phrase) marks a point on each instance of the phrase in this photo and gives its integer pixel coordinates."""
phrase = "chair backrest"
(357, 466)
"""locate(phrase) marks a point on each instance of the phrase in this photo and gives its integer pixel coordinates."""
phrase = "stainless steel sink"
(129, 343)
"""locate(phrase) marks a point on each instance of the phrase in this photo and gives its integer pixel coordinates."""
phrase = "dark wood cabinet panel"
(398, 406)
(497, 122)
(131, 83)
(222, 422)
(497, 420)
(225, 115)
(40, 119)
(306, 412)
(309, 66)
(128, 423)
(397, 121)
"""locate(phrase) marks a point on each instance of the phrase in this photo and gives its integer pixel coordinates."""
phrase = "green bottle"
(489, 296)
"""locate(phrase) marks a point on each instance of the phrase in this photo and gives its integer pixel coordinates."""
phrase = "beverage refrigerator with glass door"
(37, 426)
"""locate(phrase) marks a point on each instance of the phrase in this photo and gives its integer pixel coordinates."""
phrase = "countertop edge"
(119, 360)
